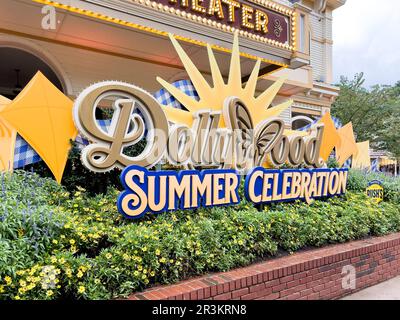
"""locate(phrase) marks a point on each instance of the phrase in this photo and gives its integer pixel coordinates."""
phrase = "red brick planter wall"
(309, 275)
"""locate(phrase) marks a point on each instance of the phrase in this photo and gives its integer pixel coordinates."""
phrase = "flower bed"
(55, 244)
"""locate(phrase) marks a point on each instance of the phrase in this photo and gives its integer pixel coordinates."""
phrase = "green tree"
(373, 112)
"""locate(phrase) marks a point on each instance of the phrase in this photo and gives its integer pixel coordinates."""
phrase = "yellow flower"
(144, 249)
(72, 241)
(17, 298)
(126, 257)
(82, 268)
(81, 289)
(108, 255)
(21, 232)
(49, 293)
(31, 286)
(8, 280)
(1, 289)
(22, 283)
(136, 273)
(68, 272)
(79, 274)
(158, 252)
(55, 241)
(53, 260)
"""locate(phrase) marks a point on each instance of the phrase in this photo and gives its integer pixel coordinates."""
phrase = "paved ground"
(389, 290)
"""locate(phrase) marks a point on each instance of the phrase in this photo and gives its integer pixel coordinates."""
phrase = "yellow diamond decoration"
(330, 139)
(3, 101)
(362, 160)
(7, 140)
(348, 145)
(42, 115)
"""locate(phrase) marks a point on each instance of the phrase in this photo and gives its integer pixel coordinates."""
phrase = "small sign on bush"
(375, 191)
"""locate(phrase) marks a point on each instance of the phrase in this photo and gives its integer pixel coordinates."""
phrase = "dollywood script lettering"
(137, 115)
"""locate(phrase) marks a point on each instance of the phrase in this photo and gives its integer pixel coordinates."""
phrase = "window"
(302, 36)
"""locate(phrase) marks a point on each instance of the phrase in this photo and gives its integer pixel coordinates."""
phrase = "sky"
(366, 35)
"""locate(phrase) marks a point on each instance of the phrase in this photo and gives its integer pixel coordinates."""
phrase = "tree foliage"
(374, 112)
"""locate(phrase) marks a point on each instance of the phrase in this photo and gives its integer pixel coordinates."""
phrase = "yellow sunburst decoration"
(213, 97)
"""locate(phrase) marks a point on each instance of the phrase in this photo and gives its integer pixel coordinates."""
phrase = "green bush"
(77, 175)
(60, 245)
(358, 181)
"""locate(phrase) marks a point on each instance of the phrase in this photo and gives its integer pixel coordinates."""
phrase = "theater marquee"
(260, 20)
(242, 15)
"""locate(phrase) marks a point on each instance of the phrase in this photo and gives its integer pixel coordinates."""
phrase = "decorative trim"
(125, 23)
(284, 10)
(304, 118)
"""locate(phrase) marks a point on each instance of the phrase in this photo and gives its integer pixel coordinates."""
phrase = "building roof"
(334, 4)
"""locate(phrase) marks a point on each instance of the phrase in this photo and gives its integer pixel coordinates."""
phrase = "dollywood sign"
(226, 134)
